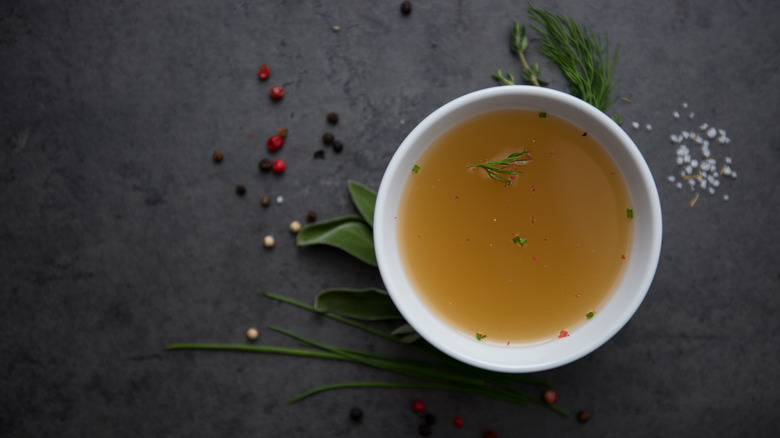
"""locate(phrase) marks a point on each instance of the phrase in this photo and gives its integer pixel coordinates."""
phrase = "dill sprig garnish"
(502, 170)
(580, 55)
(519, 44)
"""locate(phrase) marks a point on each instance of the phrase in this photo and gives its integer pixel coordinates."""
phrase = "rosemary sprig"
(580, 54)
(502, 170)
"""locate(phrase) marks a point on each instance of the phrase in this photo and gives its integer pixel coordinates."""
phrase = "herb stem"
(400, 368)
(504, 169)
(266, 349)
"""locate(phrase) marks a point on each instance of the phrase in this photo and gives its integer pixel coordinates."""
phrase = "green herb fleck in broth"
(505, 169)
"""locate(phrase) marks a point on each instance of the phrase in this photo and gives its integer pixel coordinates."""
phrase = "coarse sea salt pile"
(699, 168)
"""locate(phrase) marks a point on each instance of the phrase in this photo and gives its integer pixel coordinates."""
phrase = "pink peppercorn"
(418, 406)
(278, 167)
(264, 72)
(550, 396)
(276, 93)
(275, 142)
(458, 422)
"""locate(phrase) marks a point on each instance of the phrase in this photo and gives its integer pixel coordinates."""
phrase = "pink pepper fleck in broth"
(563, 334)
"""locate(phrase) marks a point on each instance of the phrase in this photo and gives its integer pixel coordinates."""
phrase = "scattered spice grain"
(406, 7)
(265, 201)
(274, 143)
(333, 118)
(265, 165)
(252, 334)
(356, 414)
(268, 241)
(276, 93)
(240, 190)
(418, 406)
(583, 416)
(425, 430)
(264, 72)
(319, 154)
(458, 422)
(278, 167)
(549, 396)
(311, 216)
(327, 138)
(295, 226)
(338, 146)
(217, 156)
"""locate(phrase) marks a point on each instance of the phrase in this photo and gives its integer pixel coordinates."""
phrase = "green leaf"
(502, 80)
(364, 199)
(364, 304)
(407, 334)
(348, 233)
(403, 329)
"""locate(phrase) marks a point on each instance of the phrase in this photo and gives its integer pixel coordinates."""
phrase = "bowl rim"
(620, 307)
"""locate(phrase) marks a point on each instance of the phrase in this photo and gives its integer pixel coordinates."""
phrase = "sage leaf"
(407, 332)
(348, 233)
(364, 200)
(411, 338)
(403, 329)
(364, 304)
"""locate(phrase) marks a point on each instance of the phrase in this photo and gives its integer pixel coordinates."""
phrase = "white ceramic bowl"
(630, 291)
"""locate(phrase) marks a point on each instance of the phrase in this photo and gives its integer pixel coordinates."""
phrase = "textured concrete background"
(119, 235)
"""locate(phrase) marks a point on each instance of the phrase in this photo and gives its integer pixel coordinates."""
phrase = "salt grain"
(635, 125)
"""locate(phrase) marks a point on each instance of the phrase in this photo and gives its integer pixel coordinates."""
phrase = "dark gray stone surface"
(119, 235)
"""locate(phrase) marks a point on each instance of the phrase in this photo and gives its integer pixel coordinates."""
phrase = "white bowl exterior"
(642, 259)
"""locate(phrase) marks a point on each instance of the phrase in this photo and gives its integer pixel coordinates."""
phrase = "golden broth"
(458, 228)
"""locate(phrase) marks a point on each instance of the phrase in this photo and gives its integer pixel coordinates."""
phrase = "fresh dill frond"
(502, 170)
(580, 54)
(518, 44)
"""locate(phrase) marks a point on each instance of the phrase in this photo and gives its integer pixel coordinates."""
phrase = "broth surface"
(457, 228)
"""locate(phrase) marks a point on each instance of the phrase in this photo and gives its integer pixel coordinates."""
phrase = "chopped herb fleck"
(520, 240)
(630, 213)
(589, 315)
(480, 336)
(542, 115)
(416, 168)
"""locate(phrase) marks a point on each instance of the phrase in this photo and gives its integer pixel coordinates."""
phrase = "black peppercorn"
(217, 156)
(327, 138)
(333, 118)
(430, 419)
(265, 165)
(583, 416)
(240, 190)
(406, 7)
(311, 216)
(319, 154)
(425, 430)
(338, 146)
(356, 414)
